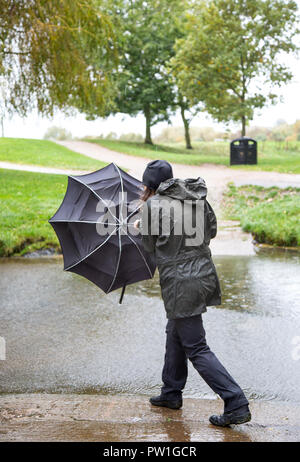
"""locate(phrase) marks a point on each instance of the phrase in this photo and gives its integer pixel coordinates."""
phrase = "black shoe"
(171, 404)
(238, 416)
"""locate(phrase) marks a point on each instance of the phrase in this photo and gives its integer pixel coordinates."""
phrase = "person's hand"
(136, 224)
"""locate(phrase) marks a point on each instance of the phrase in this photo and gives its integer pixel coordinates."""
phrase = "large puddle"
(64, 335)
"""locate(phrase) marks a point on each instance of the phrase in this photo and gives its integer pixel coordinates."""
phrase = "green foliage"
(27, 201)
(55, 54)
(149, 30)
(135, 137)
(270, 214)
(57, 133)
(175, 134)
(285, 134)
(231, 47)
(44, 153)
(203, 153)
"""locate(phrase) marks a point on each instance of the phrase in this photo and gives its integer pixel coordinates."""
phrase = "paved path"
(108, 418)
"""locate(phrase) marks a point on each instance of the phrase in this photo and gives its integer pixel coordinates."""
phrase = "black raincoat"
(188, 277)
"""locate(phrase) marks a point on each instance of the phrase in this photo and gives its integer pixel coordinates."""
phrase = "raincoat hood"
(190, 188)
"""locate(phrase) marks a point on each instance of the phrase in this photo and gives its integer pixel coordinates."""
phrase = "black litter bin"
(243, 151)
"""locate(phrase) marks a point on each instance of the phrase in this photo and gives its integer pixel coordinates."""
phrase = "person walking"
(189, 283)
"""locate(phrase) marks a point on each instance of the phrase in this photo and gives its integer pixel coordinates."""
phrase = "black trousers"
(186, 340)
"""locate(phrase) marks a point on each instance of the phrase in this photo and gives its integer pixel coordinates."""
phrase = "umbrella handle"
(122, 294)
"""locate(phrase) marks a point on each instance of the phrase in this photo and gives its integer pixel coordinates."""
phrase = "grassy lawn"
(270, 214)
(44, 153)
(27, 201)
(272, 156)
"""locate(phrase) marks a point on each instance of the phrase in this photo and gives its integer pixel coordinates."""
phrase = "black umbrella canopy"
(94, 225)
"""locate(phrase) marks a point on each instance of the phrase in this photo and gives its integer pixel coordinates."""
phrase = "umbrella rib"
(118, 264)
(97, 195)
(88, 255)
(130, 215)
(119, 233)
(122, 189)
(141, 254)
(84, 221)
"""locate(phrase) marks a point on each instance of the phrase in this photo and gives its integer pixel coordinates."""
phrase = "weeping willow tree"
(56, 54)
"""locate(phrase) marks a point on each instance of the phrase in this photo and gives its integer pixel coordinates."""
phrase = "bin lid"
(243, 138)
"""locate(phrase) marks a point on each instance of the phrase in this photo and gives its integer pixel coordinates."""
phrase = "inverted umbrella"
(94, 225)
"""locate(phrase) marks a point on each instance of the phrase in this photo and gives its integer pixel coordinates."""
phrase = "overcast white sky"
(35, 126)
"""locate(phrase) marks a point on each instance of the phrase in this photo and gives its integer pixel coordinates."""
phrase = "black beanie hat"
(156, 172)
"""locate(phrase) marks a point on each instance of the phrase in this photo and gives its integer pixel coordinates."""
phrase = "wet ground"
(63, 335)
(132, 418)
(81, 367)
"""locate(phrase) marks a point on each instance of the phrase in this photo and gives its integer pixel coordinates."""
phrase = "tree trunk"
(147, 115)
(243, 126)
(243, 97)
(186, 129)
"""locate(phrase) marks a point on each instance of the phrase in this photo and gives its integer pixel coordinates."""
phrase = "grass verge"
(270, 214)
(27, 201)
(272, 156)
(45, 154)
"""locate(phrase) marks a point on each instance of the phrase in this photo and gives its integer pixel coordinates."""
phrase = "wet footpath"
(111, 418)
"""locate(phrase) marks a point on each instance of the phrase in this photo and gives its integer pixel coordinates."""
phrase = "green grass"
(270, 214)
(44, 153)
(272, 156)
(27, 201)
(174, 153)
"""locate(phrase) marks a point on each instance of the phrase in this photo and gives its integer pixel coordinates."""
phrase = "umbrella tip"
(122, 294)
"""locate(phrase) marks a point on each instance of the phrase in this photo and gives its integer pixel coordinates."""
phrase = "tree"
(143, 81)
(56, 54)
(187, 107)
(230, 56)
